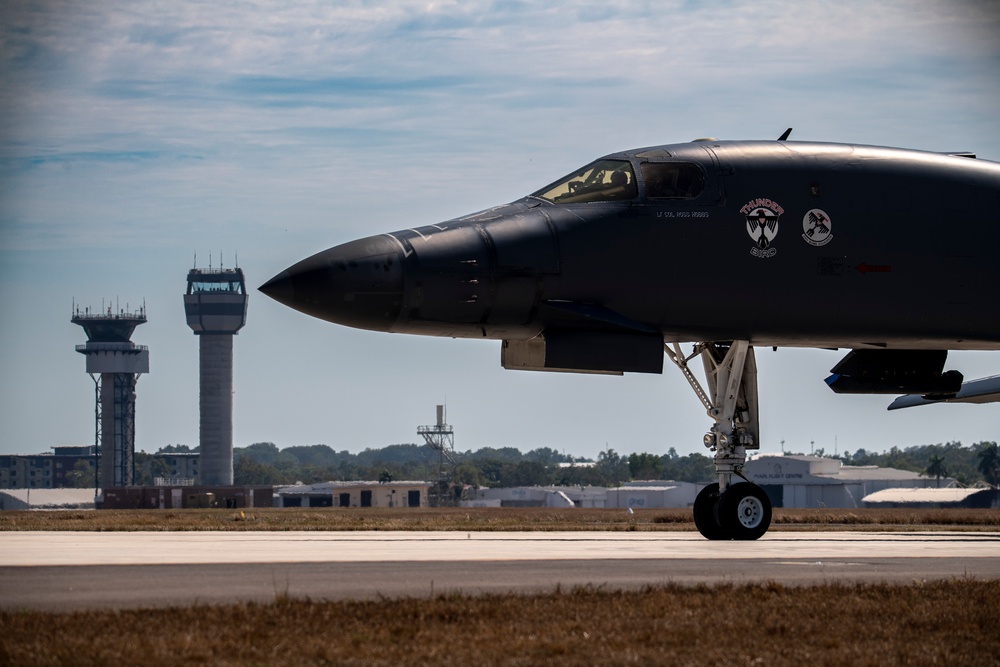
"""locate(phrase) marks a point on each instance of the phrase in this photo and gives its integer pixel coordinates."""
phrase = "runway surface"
(89, 570)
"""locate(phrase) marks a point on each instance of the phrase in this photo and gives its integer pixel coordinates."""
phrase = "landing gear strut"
(728, 509)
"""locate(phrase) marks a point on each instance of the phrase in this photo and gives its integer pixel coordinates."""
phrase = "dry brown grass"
(483, 519)
(942, 623)
(903, 518)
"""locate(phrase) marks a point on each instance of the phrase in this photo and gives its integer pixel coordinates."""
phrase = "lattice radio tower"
(441, 437)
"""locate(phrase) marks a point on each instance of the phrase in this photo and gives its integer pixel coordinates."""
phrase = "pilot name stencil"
(762, 225)
(817, 228)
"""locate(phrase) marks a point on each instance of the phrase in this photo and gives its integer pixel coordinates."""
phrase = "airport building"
(187, 497)
(647, 494)
(813, 481)
(58, 469)
(354, 494)
(181, 468)
(789, 481)
(935, 498)
(44, 471)
(47, 499)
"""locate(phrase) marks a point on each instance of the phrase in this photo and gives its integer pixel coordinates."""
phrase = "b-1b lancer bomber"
(729, 245)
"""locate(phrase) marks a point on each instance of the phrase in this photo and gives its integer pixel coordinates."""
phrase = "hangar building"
(789, 481)
(813, 481)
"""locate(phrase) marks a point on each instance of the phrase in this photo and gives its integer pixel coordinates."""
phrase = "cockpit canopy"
(615, 180)
(604, 180)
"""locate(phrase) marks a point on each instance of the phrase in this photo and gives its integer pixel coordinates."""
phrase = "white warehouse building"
(789, 481)
(651, 494)
(813, 481)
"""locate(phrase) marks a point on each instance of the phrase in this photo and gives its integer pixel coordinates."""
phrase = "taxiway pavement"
(90, 570)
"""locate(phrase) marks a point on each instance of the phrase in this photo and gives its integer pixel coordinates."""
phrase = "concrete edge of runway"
(430, 564)
(64, 589)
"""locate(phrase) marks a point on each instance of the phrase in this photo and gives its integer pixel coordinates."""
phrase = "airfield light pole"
(216, 309)
(114, 362)
(441, 437)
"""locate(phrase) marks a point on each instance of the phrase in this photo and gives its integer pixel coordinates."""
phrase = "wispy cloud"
(100, 157)
(297, 90)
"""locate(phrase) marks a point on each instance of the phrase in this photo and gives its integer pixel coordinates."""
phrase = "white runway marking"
(21, 549)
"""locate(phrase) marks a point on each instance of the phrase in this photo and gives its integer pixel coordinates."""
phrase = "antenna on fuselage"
(784, 135)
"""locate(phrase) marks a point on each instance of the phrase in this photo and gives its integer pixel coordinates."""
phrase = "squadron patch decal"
(762, 225)
(817, 228)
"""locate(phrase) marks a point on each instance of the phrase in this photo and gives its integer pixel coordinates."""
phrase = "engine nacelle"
(895, 372)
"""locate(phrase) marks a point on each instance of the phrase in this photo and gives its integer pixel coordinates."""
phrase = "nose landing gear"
(728, 510)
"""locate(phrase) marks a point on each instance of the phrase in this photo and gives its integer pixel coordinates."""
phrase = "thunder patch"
(762, 225)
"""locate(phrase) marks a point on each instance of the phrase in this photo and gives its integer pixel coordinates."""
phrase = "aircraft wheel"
(745, 511)
(706, 513)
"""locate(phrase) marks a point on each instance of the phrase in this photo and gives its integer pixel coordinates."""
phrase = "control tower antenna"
(216, 309)
(441, 437)
(114, 363)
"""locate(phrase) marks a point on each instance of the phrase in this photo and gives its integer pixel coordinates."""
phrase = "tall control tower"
(216, 309)
(115, 363)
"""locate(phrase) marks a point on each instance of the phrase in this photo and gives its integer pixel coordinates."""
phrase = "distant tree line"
(967, 465)
(263, 463)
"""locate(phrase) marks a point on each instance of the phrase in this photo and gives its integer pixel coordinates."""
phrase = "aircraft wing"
(984, 390)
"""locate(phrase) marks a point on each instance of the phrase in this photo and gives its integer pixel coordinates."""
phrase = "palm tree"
(989, 462)
(936, 468)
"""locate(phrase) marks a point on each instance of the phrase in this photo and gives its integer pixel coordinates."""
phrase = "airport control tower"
(216, 309)
(115, 363)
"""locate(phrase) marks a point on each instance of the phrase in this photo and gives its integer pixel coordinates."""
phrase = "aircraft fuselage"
(729, 245)
(780, 244)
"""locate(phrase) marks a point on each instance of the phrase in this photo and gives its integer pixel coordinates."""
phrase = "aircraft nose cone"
(280, 288)
(357, 284)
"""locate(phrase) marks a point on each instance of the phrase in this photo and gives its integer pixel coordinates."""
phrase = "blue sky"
(136, 134)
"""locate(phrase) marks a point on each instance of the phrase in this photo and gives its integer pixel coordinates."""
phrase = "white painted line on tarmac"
(39, 548)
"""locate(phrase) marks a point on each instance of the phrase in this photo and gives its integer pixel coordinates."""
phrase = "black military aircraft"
(729, 245)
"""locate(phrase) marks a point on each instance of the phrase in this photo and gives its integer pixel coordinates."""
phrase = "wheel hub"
(750, 512)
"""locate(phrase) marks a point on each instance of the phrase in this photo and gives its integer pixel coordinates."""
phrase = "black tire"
(745, 511)
(706, 513)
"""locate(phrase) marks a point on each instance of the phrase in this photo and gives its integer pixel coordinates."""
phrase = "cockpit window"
(604, 180)
(672, 180)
